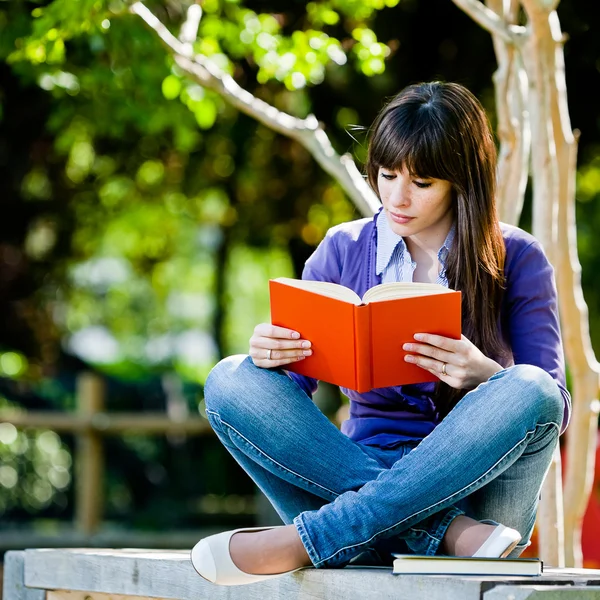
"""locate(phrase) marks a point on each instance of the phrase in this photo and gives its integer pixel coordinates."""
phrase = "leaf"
(205, 112)
(171, 87)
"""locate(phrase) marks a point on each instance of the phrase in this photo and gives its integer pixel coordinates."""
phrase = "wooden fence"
(90, 423)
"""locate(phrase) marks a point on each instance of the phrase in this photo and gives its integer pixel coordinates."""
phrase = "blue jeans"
(351, 502)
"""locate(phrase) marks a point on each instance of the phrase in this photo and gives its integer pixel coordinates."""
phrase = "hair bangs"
(414, 142)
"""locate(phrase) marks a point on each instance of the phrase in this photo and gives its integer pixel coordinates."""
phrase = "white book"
(415, 564)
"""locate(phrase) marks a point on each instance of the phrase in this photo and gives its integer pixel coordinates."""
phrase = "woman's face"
(415, 206)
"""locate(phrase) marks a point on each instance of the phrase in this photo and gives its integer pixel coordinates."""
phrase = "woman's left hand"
(459, 363)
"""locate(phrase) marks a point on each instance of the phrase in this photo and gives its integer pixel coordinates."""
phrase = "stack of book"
(414, 564)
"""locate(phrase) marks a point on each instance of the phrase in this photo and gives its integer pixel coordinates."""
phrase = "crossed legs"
(491, 453)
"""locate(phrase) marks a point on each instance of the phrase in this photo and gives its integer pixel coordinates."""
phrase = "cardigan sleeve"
(533, 320)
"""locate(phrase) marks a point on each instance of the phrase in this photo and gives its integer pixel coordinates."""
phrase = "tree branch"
(490, 21)
(307, 131)
(189, 29)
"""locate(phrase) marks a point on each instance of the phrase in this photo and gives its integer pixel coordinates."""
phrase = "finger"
(275, 351)
(286, 355)
(446, 343)
(274, 331)
(430, 364)
(272, 364)
(278, 344)
(431, 351)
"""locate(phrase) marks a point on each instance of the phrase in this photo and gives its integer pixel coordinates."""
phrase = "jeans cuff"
(437, 535)
(306, 541)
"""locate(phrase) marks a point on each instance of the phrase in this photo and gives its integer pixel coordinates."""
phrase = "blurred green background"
(142, 215)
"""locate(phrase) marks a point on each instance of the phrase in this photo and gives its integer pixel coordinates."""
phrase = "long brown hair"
(440, 130)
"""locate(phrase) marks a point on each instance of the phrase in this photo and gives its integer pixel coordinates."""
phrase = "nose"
(399, 194)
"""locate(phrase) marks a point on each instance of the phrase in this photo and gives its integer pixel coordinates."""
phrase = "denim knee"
(540, 390)
(236, 389)
(224, 382)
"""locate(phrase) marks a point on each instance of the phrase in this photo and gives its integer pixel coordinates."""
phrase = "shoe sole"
(509, 550)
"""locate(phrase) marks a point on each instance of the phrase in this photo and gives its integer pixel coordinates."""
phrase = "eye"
(422, 184)
(388, 176)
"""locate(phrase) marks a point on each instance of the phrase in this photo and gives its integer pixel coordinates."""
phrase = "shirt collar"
(387, 241)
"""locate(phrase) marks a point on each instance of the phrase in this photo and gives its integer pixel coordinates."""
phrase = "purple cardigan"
(386, 417)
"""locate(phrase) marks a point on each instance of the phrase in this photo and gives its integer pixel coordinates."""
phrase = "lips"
(402, 219)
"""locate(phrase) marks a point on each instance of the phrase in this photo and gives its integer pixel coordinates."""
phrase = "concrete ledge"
(14, 579)
(133, 573)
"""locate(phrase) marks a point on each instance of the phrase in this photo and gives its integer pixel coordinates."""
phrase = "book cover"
(359, 346)
(414, 564)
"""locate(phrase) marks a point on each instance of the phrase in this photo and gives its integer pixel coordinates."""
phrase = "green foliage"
(35, 468)
(155, 212)
(12, 364)
(160, 213)
(139, 286)
(588, 224)
(55, 24)
(370, 53)
(228, 32)
(246, 294)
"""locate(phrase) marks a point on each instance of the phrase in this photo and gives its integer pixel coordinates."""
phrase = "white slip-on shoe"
(500, 543)
(211, 559)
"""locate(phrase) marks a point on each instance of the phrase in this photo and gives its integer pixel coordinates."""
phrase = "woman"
(454, 467)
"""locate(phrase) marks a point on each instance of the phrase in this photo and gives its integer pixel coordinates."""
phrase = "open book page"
(402, 289)
(325, 288)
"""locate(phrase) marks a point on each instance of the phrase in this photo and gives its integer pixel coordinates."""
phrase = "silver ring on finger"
(269, 354)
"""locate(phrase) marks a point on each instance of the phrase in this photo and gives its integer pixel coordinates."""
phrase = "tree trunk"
(554, 153)
(514, 133)
(539, 46)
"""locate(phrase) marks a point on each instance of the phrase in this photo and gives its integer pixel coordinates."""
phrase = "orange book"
(357, 342)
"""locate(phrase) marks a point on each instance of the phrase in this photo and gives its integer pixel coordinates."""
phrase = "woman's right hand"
(284, 344)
